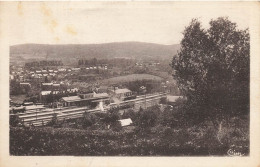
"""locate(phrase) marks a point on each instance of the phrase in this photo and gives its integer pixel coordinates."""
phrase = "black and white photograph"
(129, 79)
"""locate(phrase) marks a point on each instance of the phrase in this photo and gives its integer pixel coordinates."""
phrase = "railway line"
(43, 116)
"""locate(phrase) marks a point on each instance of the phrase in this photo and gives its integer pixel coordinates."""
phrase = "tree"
(88, 120)
(163, 100)
(212, 69)
(148, 118)
(112, 116)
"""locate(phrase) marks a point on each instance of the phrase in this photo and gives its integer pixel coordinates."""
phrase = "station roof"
(71, 98)
(96, 96)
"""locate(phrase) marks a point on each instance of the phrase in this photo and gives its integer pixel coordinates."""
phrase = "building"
(46, 86)
(125, 122)
(172, 99)
(43, 95)
(122, 94)
(89, 99)
(25, 84)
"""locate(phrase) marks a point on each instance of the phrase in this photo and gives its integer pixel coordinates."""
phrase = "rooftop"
(45, 92)
(100, 95)
(173, 98)
(125, 122)
(47, 84)
(118, 91)
(71, 98)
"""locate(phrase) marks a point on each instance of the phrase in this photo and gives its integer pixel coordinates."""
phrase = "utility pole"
(145, 98)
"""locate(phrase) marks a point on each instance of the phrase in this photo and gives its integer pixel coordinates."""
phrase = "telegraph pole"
(145, 97)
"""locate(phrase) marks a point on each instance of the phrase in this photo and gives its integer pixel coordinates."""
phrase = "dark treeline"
(121, 62)
(44, 63)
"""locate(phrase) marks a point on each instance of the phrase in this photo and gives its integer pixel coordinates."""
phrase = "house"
(172, 99)
(75, 69)
(125, 122)
(43, 95)
(61, 69)
(25, 84)
(122, 93)
(56, 86)
(46, 86)
(72, 90)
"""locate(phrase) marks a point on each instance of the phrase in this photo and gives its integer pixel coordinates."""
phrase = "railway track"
(42, 117)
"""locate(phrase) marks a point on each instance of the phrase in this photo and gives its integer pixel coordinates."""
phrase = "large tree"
(212, 68)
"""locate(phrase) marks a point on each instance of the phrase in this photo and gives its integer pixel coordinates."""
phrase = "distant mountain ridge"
(136, 50)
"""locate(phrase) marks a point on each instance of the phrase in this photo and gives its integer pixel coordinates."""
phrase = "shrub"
(112, 116)
(88, 120)
(147, 118)
(14, 120)
(54, 120)
(130, 114)
(163, 100)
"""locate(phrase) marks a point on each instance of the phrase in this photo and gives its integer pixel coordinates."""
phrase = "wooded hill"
(135, 50)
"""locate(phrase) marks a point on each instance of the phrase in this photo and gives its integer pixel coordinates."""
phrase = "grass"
(130, 78)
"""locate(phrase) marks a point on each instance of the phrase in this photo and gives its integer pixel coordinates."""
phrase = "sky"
(104, 22)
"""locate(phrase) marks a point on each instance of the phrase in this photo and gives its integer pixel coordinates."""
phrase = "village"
(40, 93)
(127, 79)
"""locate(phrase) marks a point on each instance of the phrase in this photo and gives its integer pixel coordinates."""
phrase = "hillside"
(136, 50)
(130, 78)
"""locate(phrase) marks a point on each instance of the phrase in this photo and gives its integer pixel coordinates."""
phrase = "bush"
(14, 120)
(54, 120)
(163, 100)
(130, 114)
(112, 116)
(148, 118)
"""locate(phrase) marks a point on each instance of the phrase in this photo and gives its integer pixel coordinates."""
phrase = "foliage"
(14, 120)
(130, 114)
(161, 140)
(88, 120)
(163, 100)
(212, 69)
(54, 120)
(148, 118)
(112, 116)
(17, 89)
(151, 85)
(43, 63)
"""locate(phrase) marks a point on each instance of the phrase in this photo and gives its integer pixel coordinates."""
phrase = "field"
(131, 77)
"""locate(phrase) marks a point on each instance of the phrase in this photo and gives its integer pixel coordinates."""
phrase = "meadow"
(130, 78)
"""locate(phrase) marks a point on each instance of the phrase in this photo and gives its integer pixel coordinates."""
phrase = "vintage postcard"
(123, 83)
